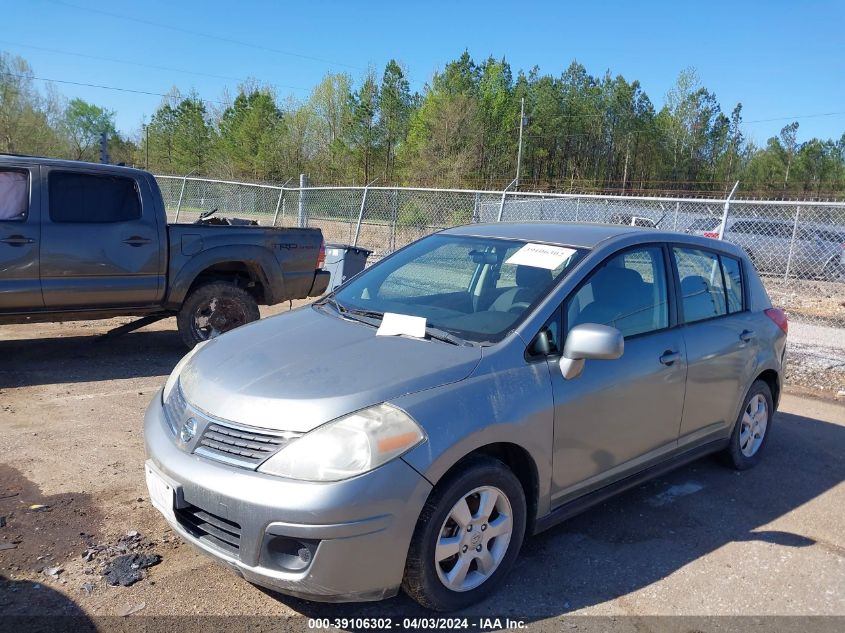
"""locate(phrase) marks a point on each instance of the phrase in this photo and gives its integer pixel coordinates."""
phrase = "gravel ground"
(702, 541)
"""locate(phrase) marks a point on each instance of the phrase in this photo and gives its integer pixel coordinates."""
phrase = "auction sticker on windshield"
(540, 256)
(394, 324)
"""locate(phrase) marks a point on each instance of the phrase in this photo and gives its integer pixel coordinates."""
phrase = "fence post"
(792, 243)
(577, 206)
(677, 208)
(502, 203)
(303, 183)
(395, 218)
(724, 224)
(179, 204)
(278, 205)
(361, 215)
(281, 200)
(502, 206)
(476, 208)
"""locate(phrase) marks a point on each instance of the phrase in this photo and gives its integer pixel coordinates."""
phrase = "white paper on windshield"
(394, 324)
(540, 256)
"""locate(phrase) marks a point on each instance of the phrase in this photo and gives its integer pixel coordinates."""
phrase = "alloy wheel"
(473, 539)
(217, 316)
(755, 420)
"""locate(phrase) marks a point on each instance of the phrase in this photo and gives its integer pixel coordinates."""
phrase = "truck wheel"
(214, 308)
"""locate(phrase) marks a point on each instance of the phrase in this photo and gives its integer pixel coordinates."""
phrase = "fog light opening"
(290, 554)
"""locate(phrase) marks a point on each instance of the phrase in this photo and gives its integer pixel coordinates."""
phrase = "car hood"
(300, 369)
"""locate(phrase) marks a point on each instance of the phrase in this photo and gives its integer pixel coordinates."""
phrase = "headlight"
(174, 375)
(348, 446)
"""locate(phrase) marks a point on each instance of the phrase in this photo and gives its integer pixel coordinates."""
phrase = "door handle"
(136, 240)
(669, 357)
(746, 336)
(17, 240)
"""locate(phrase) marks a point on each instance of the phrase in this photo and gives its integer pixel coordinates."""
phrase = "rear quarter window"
(733, 283)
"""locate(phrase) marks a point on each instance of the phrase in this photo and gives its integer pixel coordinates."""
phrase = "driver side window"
(627, 292)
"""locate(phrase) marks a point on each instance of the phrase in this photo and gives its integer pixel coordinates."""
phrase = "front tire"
(753, 427)
(467, 537)
(214, 308)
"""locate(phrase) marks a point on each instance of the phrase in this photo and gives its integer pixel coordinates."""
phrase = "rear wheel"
(214, 308)
(467, 537)
(752, 429)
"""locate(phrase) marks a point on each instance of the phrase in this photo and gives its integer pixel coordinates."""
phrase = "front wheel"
(467, 537)
(214, 308)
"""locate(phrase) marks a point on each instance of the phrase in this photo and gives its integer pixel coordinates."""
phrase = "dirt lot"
(703, 540)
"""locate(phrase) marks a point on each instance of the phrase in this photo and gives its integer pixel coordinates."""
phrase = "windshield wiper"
(447, 337)
(330, 300)
(373, 314)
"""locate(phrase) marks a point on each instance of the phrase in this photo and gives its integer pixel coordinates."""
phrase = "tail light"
(779, 317)
(713, 234)
(321, 258)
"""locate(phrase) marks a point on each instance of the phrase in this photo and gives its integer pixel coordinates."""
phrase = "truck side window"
(14, 194)
(78, 197)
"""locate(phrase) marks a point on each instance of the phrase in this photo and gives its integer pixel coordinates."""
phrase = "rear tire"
(473, 522)
(214, 308)
(753, 427)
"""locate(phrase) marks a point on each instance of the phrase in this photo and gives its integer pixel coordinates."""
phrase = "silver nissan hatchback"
(479, 385)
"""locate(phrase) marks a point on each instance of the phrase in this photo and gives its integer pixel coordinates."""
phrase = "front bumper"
(359, 529)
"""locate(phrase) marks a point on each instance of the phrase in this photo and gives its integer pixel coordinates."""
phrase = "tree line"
(580, 133)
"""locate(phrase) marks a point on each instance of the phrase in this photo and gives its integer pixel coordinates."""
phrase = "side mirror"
(589, 340)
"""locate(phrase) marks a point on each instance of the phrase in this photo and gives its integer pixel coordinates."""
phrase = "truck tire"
(213, 308)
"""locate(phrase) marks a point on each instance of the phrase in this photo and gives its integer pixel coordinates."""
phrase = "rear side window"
(702, 289)
(627, 292)
(76, 197)
(14, 194)
(733, 283)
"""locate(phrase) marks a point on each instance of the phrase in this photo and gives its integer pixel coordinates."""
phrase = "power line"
(104, 87)
(140, 64)
(798, 116)
(206, 35)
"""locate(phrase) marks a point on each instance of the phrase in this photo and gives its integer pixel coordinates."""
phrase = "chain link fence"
(798, 247)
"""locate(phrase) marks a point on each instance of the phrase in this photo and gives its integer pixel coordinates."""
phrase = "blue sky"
(780, 59)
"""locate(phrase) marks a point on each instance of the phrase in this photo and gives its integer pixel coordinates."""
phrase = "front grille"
(210, 528)
(174, 407)
(241, 445)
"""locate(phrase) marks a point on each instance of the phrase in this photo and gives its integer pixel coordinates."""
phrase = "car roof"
(588, 236)
(578, 234)
(20, 159)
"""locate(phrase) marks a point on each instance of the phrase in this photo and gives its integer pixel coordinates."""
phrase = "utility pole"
(104, 147)
(521, 125)
(146, 147)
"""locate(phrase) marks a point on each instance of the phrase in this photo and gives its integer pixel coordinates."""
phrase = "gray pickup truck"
(89, 241)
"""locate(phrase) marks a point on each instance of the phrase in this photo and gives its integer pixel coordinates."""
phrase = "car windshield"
(469, 289)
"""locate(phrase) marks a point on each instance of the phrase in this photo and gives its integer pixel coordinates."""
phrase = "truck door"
(20, 234)
(100, 246)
